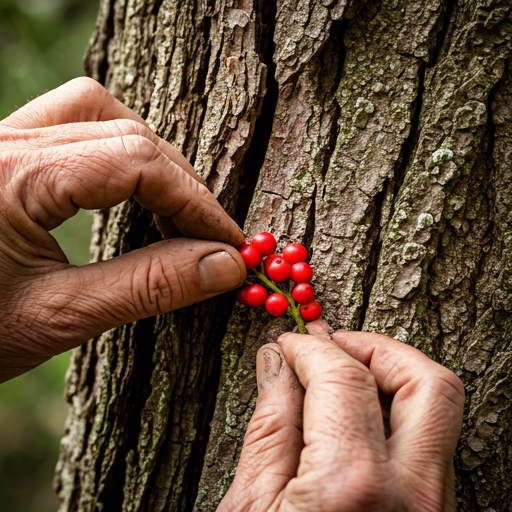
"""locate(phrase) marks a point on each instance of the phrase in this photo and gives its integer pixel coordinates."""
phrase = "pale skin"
(317, 440)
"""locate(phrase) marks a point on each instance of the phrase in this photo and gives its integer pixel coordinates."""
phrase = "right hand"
(79, 147)
(316, 441)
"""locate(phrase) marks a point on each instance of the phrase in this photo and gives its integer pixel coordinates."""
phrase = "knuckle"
(90, 96)
(360, 486)
(88, 88)
(445, 383)
(153, 288)
(268, 422)
(158, 287)
(138, 148)
(202, 191)
(120, 127)
(20, 171)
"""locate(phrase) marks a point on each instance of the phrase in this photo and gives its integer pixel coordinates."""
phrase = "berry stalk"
(293, 310)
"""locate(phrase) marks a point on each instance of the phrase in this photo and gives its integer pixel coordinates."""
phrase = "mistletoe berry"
(251, 256)
(270, 259)
(293, 253)
(303, 293)
(279, 270)
(242, 295)
(264, 243)
(311, 311)
(256, 295)
(277, 304)
(301, 272)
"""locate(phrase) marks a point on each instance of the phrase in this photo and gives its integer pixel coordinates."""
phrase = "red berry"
(311, 311)
(256, 295)
(277, 304)
(242, 295)
(270, 259)
(279, 270)
(301, 272)
(251, 256)
(293, 253)
(303, 293)
(264, 243)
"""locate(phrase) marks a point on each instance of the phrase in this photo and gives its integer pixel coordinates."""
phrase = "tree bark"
(379, 134)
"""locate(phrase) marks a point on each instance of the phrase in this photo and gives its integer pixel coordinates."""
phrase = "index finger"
(79, 100)
(342, 416)
(102, 173)
(83, 100)
(426, 412)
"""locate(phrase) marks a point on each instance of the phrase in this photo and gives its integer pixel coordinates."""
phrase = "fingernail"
(219, 272)
(319, 328)
(283, 337)
(268, 369)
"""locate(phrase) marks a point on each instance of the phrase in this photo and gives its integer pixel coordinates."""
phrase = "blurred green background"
(42, 43)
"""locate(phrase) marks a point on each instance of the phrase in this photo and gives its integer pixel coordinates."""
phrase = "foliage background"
(41, 46)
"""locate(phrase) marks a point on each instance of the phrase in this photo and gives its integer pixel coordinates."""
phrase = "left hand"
(79, 147)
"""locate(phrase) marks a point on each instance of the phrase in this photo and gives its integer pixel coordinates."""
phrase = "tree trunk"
(379, 134)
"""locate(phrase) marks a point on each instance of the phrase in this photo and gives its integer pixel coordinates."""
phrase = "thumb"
(273, 442)
(79, 303)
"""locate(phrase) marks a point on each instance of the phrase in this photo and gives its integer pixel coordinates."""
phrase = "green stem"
(298, 319)
(264, 279)
(293, 310)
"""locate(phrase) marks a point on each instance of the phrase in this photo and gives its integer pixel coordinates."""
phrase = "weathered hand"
(322, 447)
(78, 147)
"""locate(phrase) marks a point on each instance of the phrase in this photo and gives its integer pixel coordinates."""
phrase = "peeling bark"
(378, 133)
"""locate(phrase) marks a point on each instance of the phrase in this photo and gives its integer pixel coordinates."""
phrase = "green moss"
(303, 183)
(356, 297)
(425, 220)
(442, 155)
(395, 235)
(447, 144)
(344, 136)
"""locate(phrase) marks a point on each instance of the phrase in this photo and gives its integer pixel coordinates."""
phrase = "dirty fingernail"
(219, 272)
(268, 368)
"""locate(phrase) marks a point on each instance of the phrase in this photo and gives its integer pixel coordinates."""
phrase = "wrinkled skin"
(317, 442)
(317, 439)
(78, 147)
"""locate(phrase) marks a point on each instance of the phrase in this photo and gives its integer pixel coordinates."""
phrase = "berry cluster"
(291, 265)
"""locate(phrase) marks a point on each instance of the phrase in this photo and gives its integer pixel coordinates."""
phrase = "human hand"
(321, 446)
(78, 147)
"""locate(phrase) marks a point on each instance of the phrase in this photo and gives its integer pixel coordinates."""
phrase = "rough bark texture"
(378, 133)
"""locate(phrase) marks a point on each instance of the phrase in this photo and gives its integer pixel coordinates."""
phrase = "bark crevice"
(391, 189)
(248, 177)
(111, 495)
(254, 157)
